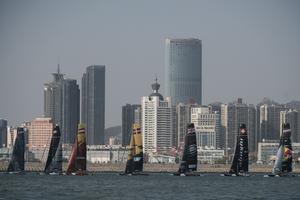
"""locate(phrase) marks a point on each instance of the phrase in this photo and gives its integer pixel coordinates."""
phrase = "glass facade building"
(93, 103)
(183, 70)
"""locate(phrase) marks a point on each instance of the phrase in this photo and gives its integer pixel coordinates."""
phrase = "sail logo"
(241, 151)
(137, 159)
(193, 148)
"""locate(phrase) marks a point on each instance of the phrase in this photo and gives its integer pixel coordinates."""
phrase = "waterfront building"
(93, 103)
(183, 70)
(130, 114)
(207, 127)
(293, 118)
(3, 133)
(39, 133)
(156, 122)
(210, 156)
(267, 151)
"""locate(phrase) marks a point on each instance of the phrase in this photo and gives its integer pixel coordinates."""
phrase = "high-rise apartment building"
(156, 122)
(93, 103)
(183, 70)
(207, 126)
(232, 115)
(39, 133)
(3, 133)
(130, 114)
(293, 118)
(183, 117)
(270, 121)
(61, 104)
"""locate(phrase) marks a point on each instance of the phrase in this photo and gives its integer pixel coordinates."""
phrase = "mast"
(240, 160)
(17, 161)
(189, 157)
(54, 160)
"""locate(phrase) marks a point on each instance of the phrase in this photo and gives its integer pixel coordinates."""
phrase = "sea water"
(155, 186)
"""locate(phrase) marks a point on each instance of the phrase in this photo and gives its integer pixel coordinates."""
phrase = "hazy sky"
(251, 49)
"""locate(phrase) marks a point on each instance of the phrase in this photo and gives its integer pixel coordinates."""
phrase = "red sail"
(71, 165)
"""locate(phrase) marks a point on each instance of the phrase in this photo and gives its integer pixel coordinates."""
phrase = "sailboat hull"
(187, 174)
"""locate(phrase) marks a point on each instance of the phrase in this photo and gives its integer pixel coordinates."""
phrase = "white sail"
(278, 162)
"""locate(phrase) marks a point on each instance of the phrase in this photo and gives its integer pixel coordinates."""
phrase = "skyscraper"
(156, 121)
(70, 110)
(130, 114)
(232, 115)
(53, 98)
(291, 117)
(93, 103)
(3, 133)
(61, 104)
(183, 70)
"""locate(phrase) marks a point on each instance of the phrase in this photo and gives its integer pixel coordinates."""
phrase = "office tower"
(93, 103)
(70, 110)
(61, 104)
(207, 126)
(53, 98)
(232, 115)
(183, 70)
(270, 121)
(39, 133)
(156, 122)
(130, 114)
(3, 133)
(183, 113)
(292, 117)
(252, 129)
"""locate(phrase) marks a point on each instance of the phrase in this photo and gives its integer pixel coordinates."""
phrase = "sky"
(251, 49)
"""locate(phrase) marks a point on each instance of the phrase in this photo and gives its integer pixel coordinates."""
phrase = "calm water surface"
(154, 186)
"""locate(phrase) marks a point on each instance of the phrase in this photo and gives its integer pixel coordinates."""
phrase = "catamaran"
(188, 164)
(77, 161)
(54, 160)
(240, 161)
(284, 159)
(134, 165)
(17, 162)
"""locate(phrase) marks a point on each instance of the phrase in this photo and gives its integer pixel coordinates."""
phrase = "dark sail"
(17, 160)
(135, 155)
(240, 160)
(189, 157)
(54, 160)
(77, 161)
(283, 163)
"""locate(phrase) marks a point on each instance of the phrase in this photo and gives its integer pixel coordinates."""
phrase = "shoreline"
(149, 167)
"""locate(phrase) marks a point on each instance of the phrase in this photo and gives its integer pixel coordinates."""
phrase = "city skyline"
(254, 44)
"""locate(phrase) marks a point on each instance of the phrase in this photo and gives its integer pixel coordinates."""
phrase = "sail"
(135, 155)
(283, 162)
(17, 160)
(189, 157)
(77, 161)
(54, 160)
(241, 159)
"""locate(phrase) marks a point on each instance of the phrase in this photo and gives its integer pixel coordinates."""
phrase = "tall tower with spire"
(61, 103)
(156, 121)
